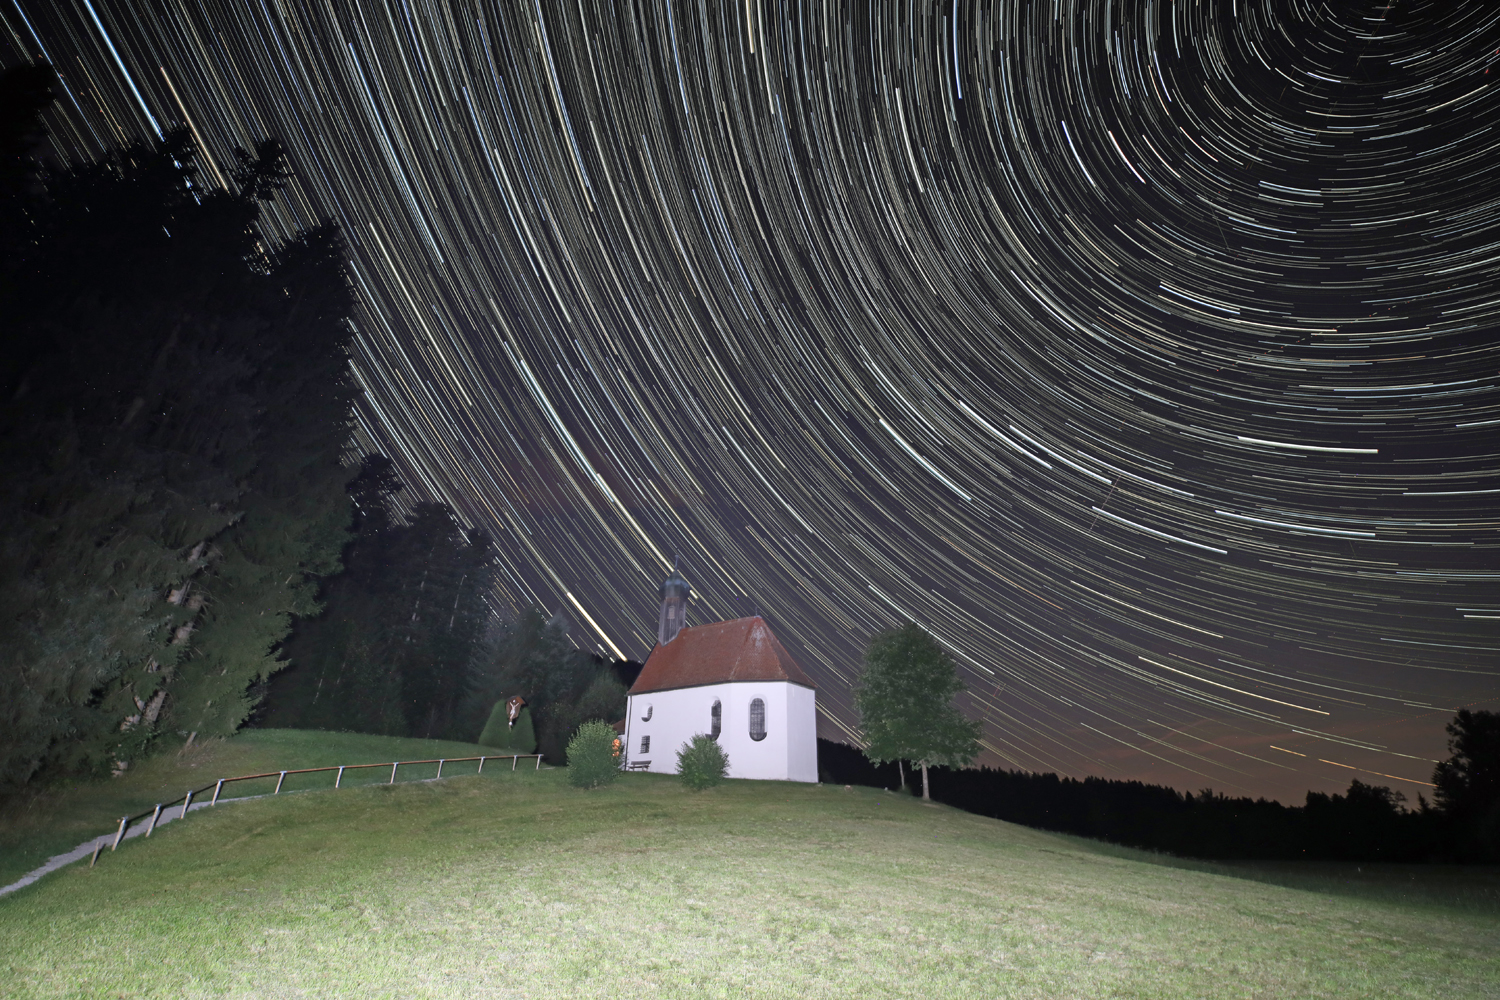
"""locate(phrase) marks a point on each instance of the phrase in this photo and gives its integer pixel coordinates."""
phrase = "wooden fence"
(154, 816)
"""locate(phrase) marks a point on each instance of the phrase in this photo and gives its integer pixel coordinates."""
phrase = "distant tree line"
(1366, 823)
(904, 698)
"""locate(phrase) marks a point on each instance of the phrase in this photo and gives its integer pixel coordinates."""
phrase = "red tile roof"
(739, 650)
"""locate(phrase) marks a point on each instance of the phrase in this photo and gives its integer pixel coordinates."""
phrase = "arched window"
(757, 719)
(716, 719)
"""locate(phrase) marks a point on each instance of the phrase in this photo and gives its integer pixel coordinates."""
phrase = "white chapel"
(731, 680)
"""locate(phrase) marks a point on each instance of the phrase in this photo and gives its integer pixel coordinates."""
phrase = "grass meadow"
(55, 820)
(517, 885)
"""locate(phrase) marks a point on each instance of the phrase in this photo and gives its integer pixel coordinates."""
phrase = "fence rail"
(155, 814)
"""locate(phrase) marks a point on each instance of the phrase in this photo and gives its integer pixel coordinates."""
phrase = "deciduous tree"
(905, 702)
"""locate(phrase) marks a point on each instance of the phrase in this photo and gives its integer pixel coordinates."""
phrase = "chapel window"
(757, 719)
(645, 744)
(647, 716)
(716, 719)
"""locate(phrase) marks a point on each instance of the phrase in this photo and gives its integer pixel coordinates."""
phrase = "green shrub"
(500, 734)
(702, 762)
(593, 755)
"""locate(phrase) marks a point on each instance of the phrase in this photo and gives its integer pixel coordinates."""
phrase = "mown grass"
(514, 884)
(35, 827)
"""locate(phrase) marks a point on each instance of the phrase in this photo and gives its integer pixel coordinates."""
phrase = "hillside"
(35, 826)
(517, 885)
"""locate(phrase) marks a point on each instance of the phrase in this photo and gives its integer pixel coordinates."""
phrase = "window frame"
(754, 704)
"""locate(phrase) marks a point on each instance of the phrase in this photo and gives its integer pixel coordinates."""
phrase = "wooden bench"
(638, 765)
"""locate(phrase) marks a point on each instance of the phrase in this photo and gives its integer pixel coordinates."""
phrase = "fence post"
(98, 846)
(538, 763)
(217, 788)
(278, 783)
(394, 765)
(440, 767)
(187, 803)
(120, 833)
(339, 780)
(481, 765)
(154, 814)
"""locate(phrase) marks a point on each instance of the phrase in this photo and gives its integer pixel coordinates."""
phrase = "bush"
(702, 762)
(593, 755)
(500, 734)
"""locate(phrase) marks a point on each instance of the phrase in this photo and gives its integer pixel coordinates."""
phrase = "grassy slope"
(516, 885)
(39, 826)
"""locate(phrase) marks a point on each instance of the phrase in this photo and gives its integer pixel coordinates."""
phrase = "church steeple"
(674, 602)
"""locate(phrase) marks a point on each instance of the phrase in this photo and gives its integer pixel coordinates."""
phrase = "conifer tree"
(533, 655)
(391, 651)
(440, 614)
(172, 405)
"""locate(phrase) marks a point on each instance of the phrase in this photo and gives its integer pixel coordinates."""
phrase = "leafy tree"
(559, 673)
(1468, 784)
(905, 703)
(1367, 822)
(593, 756)
(175, 396)
(702, 762)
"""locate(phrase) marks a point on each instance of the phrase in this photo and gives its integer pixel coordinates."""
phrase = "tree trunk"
(925, 797)
(456, 594)
(901, 771)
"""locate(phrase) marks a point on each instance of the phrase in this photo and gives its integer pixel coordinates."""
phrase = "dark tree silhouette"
(1366, 824)
(262, 173)
(25, 93)
(400, 626)
(1468, 785)
(174, 398)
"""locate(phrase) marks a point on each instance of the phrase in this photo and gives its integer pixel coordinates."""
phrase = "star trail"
(1145, 353)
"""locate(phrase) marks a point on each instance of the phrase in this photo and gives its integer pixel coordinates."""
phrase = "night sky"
(1145, 353)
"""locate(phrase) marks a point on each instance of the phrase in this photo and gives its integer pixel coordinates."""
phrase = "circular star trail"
(1145, 353)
